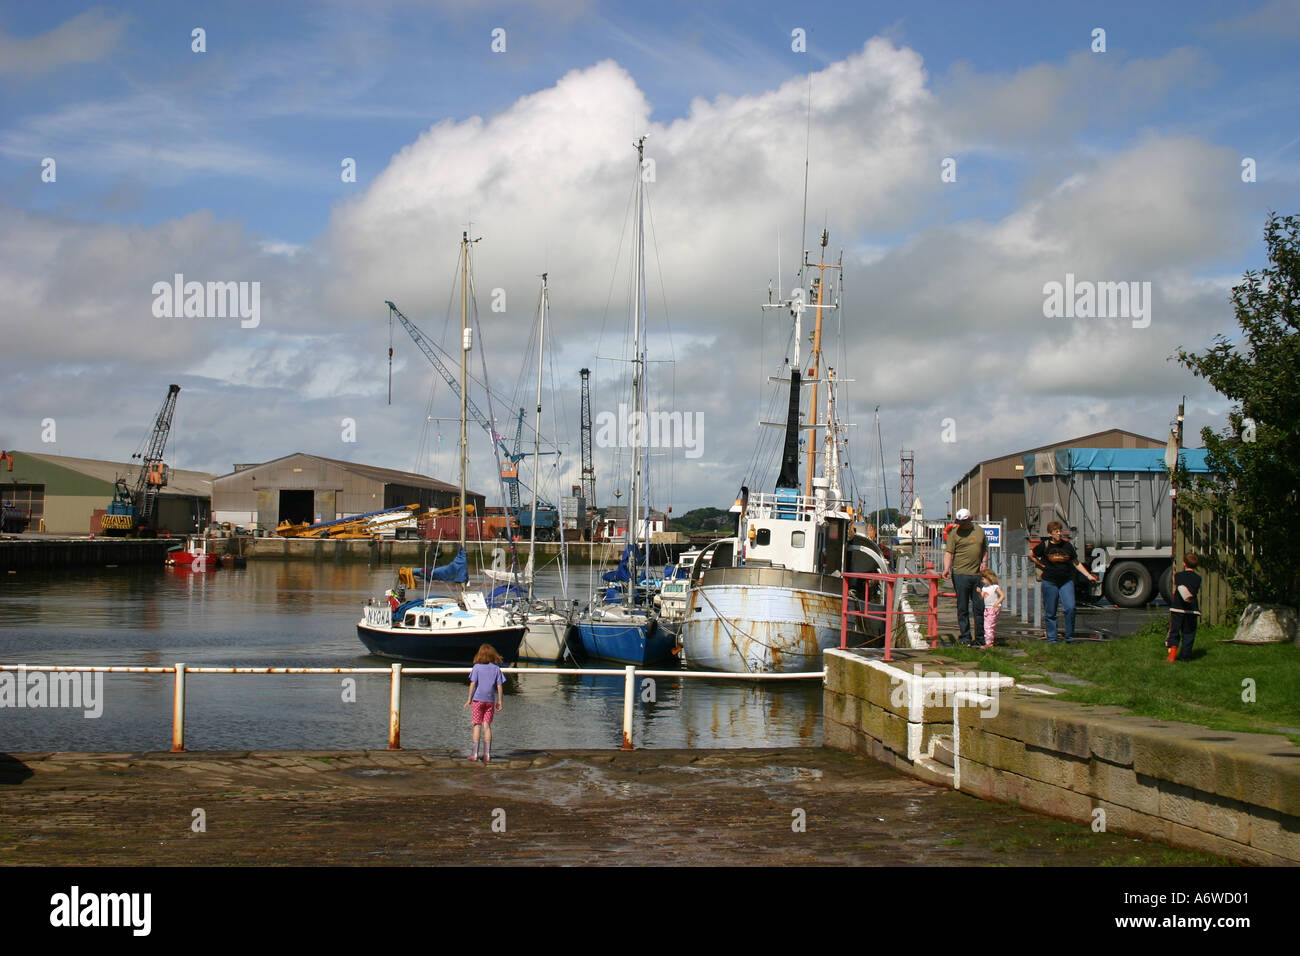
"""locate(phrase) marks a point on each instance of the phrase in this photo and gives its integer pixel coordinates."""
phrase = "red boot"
(1173, 654)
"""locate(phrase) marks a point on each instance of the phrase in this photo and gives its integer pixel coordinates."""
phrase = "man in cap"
(965, 554)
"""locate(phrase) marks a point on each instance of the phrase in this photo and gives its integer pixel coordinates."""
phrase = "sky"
(328, 156)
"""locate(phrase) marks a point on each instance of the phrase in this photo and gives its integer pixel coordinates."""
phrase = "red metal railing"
(889, 581)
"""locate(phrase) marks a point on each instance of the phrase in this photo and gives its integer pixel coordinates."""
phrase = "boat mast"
(834, 492)
(815, 371)
(465, 342)
(638, 364)
(537, 443)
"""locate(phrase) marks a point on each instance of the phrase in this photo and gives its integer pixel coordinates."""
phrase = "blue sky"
(232, 157)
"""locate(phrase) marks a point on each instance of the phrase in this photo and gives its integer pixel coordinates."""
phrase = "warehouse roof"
(388, 476)
(179, 481)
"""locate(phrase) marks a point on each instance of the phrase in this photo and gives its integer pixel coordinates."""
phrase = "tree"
(886, 516)
(1255, 464)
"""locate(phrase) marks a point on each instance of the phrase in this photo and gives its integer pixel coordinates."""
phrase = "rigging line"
(884, 489)
(482, 355)
(807, 149)
(659, 269)
(613, 276)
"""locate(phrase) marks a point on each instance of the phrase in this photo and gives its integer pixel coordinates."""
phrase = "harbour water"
(304, 614)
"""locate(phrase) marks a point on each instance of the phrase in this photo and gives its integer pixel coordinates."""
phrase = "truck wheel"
(1166, 586)
(1128, 584)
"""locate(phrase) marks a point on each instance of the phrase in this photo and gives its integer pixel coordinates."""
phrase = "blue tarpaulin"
(1062, 461)
(456, 573)
(621, 573)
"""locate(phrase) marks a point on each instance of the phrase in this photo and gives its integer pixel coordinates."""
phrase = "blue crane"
(507, 460)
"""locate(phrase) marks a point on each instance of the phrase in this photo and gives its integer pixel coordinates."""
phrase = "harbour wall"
(25, 554)
(414, 552)
(1236, 795)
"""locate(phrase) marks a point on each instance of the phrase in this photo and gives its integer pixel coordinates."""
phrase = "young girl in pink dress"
(993, 597)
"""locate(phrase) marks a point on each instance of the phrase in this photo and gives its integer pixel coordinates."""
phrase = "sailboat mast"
(464, 358)
(638, 367)
(537, 442)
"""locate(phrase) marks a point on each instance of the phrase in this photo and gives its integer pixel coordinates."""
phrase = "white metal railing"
(395, 672)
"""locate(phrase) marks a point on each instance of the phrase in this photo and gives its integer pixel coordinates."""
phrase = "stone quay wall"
(1236, 795)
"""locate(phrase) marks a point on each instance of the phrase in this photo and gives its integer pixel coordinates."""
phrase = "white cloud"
(86, 38)
(947, 322)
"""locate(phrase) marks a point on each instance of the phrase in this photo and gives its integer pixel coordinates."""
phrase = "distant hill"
(703, 520)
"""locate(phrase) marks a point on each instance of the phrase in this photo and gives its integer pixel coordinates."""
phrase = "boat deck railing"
(396, 672)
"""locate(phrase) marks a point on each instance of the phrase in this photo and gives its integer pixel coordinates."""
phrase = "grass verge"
(1224, 686)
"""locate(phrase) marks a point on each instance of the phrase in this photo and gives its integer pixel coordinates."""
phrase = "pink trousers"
(990, 621)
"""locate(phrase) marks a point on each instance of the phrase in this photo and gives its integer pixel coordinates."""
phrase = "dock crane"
(134, 509)
(507, 460)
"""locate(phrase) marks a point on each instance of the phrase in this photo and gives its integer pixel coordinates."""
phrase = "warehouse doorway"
(296, 506)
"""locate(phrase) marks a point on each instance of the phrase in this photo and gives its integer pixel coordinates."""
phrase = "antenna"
(807, 147)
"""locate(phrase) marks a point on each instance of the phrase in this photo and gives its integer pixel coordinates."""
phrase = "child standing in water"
(485, 682)
(993, 597)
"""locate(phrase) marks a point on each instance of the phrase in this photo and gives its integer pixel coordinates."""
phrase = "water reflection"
(304, 614)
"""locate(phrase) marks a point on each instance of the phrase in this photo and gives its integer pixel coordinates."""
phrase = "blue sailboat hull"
(626, 643)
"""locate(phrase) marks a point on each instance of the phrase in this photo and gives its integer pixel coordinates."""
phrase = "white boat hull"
(543, 643)
(748, 621)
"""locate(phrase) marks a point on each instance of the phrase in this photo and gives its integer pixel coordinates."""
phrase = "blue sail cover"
(621, 573)
(503, 595)
(456, 573)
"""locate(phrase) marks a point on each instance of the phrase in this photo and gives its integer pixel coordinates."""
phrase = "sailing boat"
(548, 624)
(627, 631)
(770, 599)
(439, 630)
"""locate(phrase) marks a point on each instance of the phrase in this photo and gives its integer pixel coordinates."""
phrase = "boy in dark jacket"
(1184, 609)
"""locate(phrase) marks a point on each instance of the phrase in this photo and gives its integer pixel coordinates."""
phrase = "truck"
(548, 522)
(1116, 507)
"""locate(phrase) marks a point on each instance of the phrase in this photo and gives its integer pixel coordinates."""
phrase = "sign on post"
(993, 531)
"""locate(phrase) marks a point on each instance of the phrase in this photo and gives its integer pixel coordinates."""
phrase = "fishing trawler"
(770, 598)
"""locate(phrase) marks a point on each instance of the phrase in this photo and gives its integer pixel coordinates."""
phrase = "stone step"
(942, 750)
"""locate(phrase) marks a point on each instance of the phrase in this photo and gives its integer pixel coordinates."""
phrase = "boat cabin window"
(764, 536)
(796, 539)
(425, 621)
(409, 621)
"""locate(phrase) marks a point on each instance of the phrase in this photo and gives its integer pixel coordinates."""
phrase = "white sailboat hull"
(543, 642)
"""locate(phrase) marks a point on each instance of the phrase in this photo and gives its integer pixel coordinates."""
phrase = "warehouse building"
(302, 487)
(994, 490)
(62, 495)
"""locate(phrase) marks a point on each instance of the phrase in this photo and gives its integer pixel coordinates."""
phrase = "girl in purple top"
(485, 682)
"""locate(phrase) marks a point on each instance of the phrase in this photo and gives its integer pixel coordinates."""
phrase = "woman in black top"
(1058, 559)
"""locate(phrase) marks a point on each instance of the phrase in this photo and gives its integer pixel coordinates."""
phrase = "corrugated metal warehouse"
(302, 487)
(996, 487)
(66, 493)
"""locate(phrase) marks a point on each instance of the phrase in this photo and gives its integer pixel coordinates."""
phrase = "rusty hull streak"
(741, 631)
